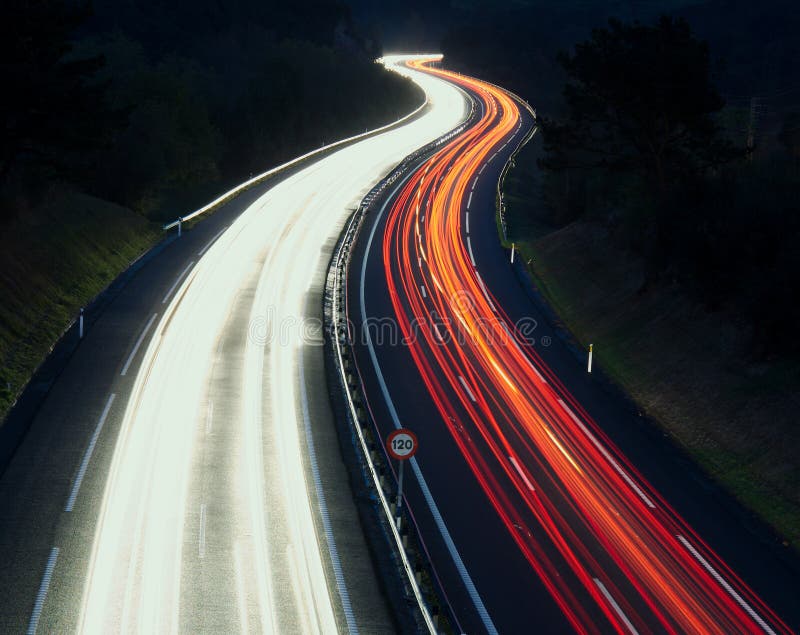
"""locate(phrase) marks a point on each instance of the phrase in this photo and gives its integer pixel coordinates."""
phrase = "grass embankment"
(53, 260)
(687, 368)
(55, 257)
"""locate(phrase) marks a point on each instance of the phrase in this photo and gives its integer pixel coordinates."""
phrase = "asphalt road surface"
(546, 503)
(183, 474)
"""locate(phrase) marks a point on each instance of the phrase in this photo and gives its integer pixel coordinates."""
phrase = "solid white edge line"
(76, 485)
(521, 473)
(615, 606)
(175, 284)
(466, 388)
(137, 345)
(608, 456)
(406, 563)
(33, 624)
(466, 579)
(327, 527)
(724, 583)
(211, 242)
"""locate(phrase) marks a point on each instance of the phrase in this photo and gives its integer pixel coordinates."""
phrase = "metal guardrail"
(499, 198)
(233, 193)
(351, 383)
(349, 376)
(501, 206)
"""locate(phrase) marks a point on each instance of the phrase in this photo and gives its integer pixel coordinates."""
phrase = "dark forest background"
(156, 105)
(727, 231)
(123, 114)
(658, 209)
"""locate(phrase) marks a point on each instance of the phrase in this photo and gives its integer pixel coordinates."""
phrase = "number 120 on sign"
(401, 444)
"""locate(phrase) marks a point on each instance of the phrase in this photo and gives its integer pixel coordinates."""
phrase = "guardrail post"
(400, 492)
(349, 378)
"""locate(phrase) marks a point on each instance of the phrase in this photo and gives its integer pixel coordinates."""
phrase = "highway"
(544, 502)
(182, 473)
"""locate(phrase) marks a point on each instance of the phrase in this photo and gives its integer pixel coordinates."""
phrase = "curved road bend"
(165, 484)
(544, 503)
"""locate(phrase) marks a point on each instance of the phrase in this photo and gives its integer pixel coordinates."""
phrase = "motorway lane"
(481, 540)
(39, 480)
(446, 472)
(178, 507)
(750, 549)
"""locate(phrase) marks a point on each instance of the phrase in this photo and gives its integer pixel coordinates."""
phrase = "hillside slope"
(54, 258)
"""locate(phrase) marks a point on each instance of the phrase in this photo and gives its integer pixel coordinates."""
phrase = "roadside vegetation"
(662, 223)
(58, 271)
(126, 115)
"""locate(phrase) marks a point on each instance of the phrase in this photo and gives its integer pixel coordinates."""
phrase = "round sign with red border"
(402, 444)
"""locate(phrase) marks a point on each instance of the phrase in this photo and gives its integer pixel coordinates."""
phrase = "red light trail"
(587, 522)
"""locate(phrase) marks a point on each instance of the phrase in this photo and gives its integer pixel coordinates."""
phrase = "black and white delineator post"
(402, 445)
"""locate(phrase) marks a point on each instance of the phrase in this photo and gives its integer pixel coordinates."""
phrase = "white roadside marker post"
(180, 225)
(80, 325)
(513, 249)
(589, 368)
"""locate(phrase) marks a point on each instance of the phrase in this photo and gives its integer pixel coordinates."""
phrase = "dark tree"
(638, 99)
(789, 135)
(50, 111)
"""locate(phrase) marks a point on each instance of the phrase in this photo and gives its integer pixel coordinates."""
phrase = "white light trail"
(274, 249)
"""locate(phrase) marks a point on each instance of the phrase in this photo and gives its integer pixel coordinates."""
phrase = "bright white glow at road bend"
(276, 564)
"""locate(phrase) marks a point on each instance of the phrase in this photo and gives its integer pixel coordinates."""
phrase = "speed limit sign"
(401, 444)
